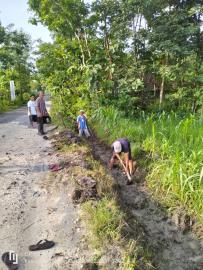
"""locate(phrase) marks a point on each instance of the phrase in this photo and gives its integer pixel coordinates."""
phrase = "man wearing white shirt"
(32, 113)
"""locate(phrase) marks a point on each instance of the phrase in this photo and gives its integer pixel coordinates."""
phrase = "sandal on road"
(10, 260)
(42, 244)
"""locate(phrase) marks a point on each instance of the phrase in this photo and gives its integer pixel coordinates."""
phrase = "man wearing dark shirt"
(123, 146)
(41, 112)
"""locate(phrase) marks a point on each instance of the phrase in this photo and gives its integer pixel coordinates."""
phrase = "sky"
(16, 12)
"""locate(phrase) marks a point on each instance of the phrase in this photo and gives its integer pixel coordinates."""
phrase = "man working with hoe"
(123, 146)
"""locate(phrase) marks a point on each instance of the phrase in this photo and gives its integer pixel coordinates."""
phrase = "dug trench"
(167, 242)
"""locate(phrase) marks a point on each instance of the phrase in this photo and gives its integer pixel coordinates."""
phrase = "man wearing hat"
(123, 146)
(82, 124)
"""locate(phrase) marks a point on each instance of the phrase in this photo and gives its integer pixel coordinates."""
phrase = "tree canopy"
(15, 63)
(135, 54)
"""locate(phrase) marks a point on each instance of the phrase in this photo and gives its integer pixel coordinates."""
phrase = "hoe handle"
(127, 173)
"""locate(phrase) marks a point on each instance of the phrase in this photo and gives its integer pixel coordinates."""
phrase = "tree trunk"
(81, 49)
(161, 96)
(107, 49)
(140, 23)
(154, 90)
(87, 47)
(164, 63)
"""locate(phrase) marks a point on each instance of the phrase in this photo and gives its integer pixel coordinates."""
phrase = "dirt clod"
(182, 220)
(86, 182)
(75, 140)
(88, 194)
(90, 266)
(80, 196)
(76, 195)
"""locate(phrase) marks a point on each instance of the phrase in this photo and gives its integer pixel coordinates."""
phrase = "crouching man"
(123, 146)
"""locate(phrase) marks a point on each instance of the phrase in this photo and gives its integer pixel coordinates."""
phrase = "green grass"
(104, 221)
(174, 146)
(103, 218)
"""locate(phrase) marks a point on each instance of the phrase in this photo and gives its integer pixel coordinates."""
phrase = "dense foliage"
(14, 65)
(135, 54)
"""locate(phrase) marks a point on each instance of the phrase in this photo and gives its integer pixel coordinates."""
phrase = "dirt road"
(37, 204)
(33, 205)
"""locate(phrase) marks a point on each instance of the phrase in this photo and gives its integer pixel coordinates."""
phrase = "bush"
(26, 96)
(4, 104)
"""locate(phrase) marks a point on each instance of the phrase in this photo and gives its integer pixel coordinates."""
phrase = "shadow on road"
(18, 116)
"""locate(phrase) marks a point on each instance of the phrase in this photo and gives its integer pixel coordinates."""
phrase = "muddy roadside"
(36, 203)
(169, 239)
(163, 240)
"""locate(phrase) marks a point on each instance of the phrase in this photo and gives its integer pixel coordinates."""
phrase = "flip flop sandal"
(10, 262)
(42, 244)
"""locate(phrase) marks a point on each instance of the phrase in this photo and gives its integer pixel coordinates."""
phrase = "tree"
(128, 53)
(14, 60)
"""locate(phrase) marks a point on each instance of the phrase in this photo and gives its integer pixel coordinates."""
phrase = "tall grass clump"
(174, 145)
(104, 221)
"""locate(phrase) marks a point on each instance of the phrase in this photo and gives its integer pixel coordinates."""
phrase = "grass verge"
(169, 147)
(103, 218)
